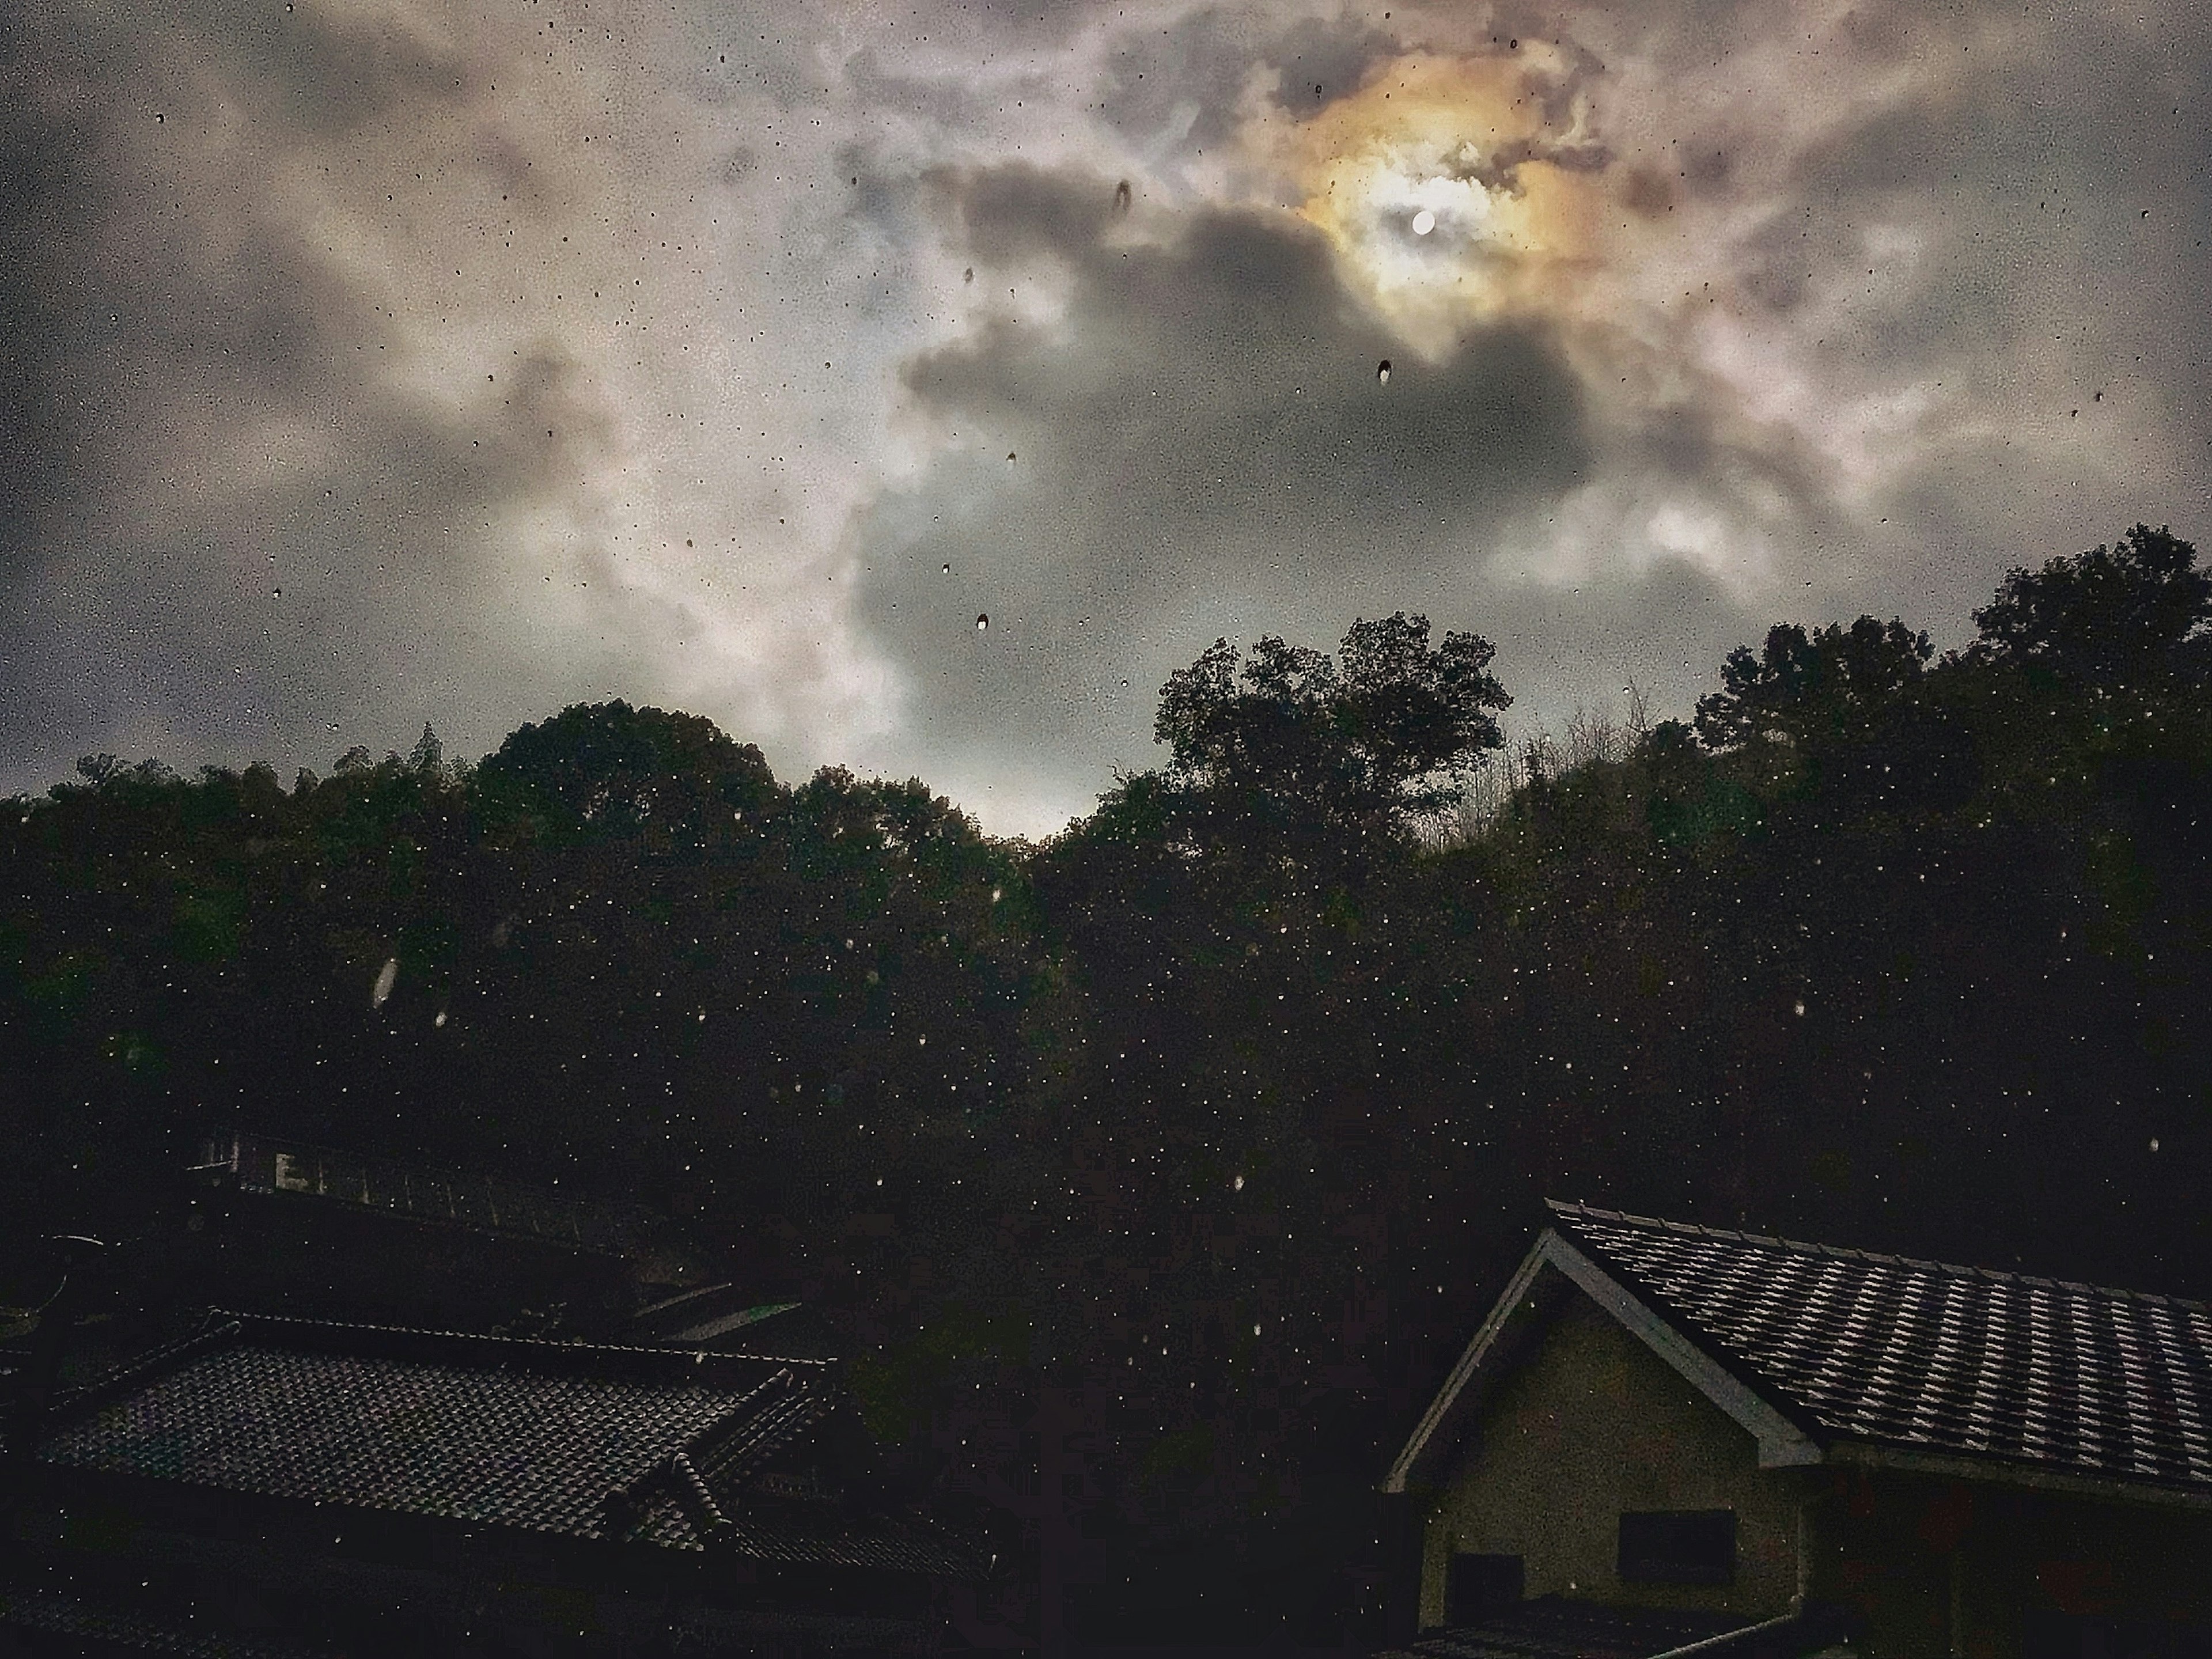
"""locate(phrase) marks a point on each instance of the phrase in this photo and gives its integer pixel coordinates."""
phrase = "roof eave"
(2042, 1477)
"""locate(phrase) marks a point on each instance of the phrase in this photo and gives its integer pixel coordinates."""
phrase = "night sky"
(371, 362)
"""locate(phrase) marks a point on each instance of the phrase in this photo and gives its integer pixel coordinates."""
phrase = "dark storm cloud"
(1202, 446)
(1863, 308)
(2030, 233)
(226, 535)
(1181, 86)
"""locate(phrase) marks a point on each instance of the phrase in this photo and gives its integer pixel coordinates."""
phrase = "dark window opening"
(1678, 1547)
(1480, 1584)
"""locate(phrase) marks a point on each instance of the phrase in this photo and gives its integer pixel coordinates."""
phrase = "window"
(1678, 1547)
(1480, 1584)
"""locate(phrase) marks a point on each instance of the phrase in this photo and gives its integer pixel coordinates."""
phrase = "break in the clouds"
(366, 363)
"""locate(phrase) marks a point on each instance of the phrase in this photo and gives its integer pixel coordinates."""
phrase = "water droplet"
(1424, 222)
(386, 978)
(1237, 1186)
(1010, 456)
(968, 275)
(1383, 372)
(948, 570)
(441, 1021)
(982, 623)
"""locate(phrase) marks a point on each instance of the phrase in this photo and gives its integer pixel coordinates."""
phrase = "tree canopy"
(1184, 1149)
(1802, 687)
(2108, 615)
(1365, 743)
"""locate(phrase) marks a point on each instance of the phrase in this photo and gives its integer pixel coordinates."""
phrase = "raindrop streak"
(1383, 372)
(386, 978)
(982, 623)
(1424, 222)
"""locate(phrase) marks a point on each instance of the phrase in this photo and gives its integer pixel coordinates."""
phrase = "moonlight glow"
(375, 362)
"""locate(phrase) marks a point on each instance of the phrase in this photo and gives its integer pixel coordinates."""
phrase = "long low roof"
(1823, 1351)
(645, 1446)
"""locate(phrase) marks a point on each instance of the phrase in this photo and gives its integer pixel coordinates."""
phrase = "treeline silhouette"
(1162, 1167)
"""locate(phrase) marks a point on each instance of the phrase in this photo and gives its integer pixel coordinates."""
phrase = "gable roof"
(1874, 1358)
(622, 1445)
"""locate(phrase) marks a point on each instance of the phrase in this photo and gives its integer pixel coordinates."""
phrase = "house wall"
(1591, 1424)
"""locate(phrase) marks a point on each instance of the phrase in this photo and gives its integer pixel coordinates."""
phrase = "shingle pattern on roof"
(536, 1442)
(816, 1533)
(1926, 1355)
(806, 1534)
(634, 1446)
(1555, 1628)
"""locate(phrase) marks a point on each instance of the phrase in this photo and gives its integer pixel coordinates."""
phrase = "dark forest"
(1156, 1171)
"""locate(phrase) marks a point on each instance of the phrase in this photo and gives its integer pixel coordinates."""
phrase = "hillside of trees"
(1162, 1167)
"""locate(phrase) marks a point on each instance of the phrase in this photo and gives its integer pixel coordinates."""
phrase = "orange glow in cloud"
(1450, 196)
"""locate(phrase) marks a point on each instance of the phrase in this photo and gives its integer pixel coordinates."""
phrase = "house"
(288, 1487)
(283, 1226)
(1663, 1422)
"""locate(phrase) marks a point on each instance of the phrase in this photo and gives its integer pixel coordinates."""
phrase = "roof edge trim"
(1517, 1291)
(1782, 1443)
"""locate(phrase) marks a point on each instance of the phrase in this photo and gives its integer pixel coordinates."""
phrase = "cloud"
(377, 361)
(1198, 443)
(341, 393)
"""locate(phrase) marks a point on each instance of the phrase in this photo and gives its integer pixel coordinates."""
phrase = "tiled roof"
(635, 1445)
(1930, 1357)
(1554, 1628)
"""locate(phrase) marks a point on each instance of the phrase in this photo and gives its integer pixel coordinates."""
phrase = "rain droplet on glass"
(982, 623)
(1383, 372)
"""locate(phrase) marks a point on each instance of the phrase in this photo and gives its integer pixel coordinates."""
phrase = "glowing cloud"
(1456, 189)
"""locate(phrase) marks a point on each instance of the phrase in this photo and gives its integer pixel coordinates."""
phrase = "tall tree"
(1803, 687)
(2107, 616)
(1360, 749)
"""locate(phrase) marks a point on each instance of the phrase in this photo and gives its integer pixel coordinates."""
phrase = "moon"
(1424, 222)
